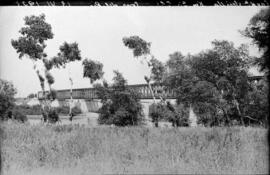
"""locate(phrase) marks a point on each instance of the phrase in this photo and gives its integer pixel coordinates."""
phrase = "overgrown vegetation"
(136, 150)
(165, 111)
(258, 30)
(120, 105)
(7, 103)
(213, 82)
(7, 92)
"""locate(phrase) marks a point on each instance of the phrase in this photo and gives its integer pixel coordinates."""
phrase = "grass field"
(39, 149)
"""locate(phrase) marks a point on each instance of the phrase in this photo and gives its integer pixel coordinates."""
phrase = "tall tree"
(68, 53)
(214, 81)
(141, 49)
(181, 78)
(258, 30)
(31, 44)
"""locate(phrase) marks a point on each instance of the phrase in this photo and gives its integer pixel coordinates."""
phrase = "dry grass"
(77, 150)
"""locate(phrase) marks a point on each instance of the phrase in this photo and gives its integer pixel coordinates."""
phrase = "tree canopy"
(31, 43)
(34, 35)
(258, 31)
(139, 46)
(214, 81)
(68, 52)
(92, 70)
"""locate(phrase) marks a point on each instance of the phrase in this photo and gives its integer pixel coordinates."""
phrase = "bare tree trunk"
(43, 101)
(71, 98)
(154, 99)
(238, 110)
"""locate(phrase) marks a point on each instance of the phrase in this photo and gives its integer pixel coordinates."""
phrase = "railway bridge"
(86, 98)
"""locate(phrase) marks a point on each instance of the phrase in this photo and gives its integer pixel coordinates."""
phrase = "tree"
(158, 111)
(256, 104)
(7, 92)
(92, 70)
(68, 53)
(215, 82)
(31, 95)
(120, 105)
(31, 44)
(180, 78)
(258, 30)
(157, 70)
(141, 48)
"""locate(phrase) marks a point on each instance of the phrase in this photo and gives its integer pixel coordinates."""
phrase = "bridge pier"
(84, 104)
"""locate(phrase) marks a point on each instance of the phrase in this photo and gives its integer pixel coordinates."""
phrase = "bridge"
(86, 98)
(143, 89)
(90, 93)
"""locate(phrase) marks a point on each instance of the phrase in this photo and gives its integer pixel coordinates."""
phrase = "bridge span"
(86, 98)
(90, 93)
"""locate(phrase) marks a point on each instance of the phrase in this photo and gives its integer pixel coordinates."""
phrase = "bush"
(181, 115)
(120, 106)
(64, 110)
(19, 116)
(177, 115)
(122, 109)
(7, 92)
(50, 115)
(158, 112)
(28, 110)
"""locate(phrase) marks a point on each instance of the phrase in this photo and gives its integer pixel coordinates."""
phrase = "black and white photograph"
(134, 90)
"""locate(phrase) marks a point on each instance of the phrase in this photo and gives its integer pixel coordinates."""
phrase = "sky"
(99, 32)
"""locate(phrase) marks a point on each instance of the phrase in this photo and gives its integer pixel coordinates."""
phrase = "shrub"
(7, 92)
(19, 116)
(177, 115)
(120, 106)
(122, 109)
(28, 110)
(64, 110)
(76, 110)
(158, 112)
(51, 115)
(181, 115)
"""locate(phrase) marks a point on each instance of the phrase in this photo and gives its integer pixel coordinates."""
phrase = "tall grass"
(77, 150)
